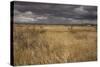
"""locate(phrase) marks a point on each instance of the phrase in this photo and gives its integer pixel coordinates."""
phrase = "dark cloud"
(53, 13)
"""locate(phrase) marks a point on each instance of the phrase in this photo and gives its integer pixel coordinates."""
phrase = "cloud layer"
(27, 12)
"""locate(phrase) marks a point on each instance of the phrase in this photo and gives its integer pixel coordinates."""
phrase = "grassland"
(47, 44)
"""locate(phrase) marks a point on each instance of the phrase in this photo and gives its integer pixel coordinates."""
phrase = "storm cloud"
(33, 12)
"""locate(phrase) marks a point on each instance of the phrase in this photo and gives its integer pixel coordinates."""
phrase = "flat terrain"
(44, 44)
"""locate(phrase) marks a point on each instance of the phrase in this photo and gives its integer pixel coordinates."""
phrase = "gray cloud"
(27, 17)
(54, 13)
(80, 10)
(24, 19)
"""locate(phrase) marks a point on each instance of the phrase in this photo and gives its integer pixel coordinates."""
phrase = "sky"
(47, 13)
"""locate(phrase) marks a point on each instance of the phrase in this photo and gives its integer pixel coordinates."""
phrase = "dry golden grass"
(47, 44)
